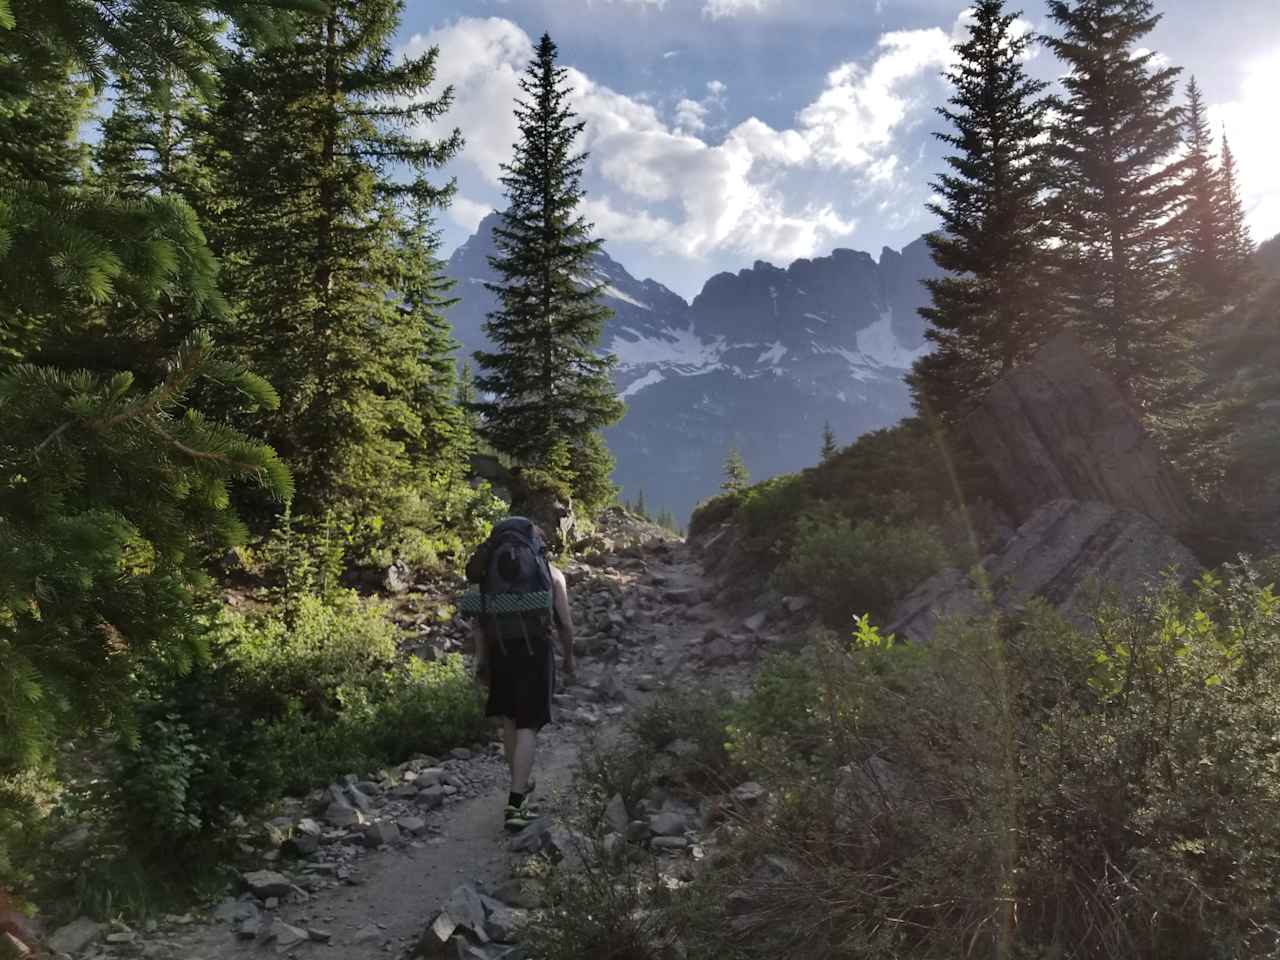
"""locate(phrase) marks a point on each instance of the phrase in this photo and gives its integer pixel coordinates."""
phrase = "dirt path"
(393, 892)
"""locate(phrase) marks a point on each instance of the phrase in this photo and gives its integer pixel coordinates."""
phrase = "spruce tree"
(114, 488)
(736, 476)
(829, 447)
(1201, 249)
(1237, 245)
(548, 392)
(988, 308)
(1117, 188)
(329, 261)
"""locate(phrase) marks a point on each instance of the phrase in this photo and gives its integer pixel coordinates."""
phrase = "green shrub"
(712, 512)
(1021, 786)
(308, 650)
(696, 716)
(858, 567)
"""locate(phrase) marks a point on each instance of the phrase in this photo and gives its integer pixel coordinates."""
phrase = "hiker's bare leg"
(509, 740)
(522, 760)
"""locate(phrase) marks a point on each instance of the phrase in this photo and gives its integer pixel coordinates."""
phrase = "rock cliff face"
(1098, 506)
(1059, 428)
(1071, 553)
(760, 359)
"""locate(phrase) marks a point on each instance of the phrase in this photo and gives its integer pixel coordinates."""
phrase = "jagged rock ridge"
(759, 359)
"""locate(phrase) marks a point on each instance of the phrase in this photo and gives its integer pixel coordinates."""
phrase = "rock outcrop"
(1069, 552)
(1059, 428)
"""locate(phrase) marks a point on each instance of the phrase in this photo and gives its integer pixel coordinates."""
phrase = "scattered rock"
(749, 792)
(397, 578)
(267, 883)
(462, 753)
(755, 623)
(794, 605)
(381, 833)
(369, 933)
(669, 843)
(431, 797)
(681, 748)
(359, 799)
(320, 936)
(75, 936)
(287, 937)
(340, 813)
(412, 825)
(466, 910)
(668, 824)
(615, 813)
(525, 894)
(532, 838)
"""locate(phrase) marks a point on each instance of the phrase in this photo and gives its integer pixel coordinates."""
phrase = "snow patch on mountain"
(611, 291)
(648, 380)
(880, 345)
(680, 348)
(773, 355)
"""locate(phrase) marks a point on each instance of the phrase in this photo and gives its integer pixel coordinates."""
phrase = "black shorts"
(521, 681)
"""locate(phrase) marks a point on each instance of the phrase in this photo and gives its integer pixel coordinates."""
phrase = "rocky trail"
(361, 869)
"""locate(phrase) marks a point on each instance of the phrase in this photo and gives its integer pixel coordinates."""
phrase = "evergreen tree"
(549, 392)
(1117, 188)
(113, 491)
(1237, 249)
(640, 505)
(736, 477)
(1201, 248)
(328, 255)
(829, 448)
(465, 395)
(988, 307)
(146, 140)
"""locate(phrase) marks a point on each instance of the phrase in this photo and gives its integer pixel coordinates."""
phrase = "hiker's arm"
(560, 596)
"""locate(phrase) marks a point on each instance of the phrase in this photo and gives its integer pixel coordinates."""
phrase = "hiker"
(521, 599)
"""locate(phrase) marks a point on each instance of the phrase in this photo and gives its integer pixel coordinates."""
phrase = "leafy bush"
(695, 716)
(1021, 786)
(865, 566)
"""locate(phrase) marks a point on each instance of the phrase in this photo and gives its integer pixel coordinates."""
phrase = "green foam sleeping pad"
(471, 602)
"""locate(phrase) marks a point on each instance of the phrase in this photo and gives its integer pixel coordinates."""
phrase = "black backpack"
(513, 576)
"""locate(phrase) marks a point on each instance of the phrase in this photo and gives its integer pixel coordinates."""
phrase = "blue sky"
(726, 131)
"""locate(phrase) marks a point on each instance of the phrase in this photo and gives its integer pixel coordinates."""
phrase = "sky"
(722, 132)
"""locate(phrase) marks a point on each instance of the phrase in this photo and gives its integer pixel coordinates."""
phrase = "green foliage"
(329, 260)
(864, 566)
(829, 446)
(736, 477)
(1114, 208)
(988, 308)
(947, 786)
(549, 392)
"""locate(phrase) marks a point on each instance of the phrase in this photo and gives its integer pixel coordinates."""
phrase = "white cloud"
(1255, 140)
(862, 107)
(759, 192)
(690, 116)
(467, 212)
(716, 9)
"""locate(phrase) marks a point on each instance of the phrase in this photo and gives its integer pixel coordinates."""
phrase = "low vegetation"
(1022, 787)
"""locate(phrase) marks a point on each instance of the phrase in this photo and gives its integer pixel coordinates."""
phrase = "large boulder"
(1071, 553)
(1059, 428)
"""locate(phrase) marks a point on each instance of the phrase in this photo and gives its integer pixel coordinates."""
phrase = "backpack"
(513, 598)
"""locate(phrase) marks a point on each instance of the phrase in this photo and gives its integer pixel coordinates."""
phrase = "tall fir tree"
(1118, 186)
(988, 307)
(1201, 252)
(829, 447)
(327, 254)
(113, 493)
(1237, 252)
(548, 393)
(736, 476)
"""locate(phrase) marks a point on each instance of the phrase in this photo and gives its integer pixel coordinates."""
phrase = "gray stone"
(687, 597)
(467, 911)
(615, 813)
(532, 838)
(681, 748)
(434, 941)
(755, 623)
(75, 936)
(320, 936)
(369, 933)
(381, 833)
(397, 578)
(1059, 429)
(749, 792)
(668, 824)
(431, 797)
(287, 937)
(412, 825)
(460, 753)
(340, 813)
(794, 605)
(669, 843)
(1070, 553)
(235, 911)
(647, 682)
(267, 883)
(502, 922)
(429, 777)
(359, 799)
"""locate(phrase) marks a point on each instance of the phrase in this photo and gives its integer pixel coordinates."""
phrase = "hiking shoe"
(517, 818)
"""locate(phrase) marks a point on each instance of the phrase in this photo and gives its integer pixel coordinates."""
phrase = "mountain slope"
(760, 360)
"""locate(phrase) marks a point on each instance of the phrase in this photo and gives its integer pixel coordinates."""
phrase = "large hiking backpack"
(513, 598)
